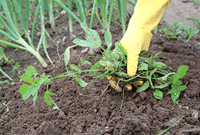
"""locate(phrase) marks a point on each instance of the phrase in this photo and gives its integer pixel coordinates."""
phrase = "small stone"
(64, 39)
(195, 114)
(38, 34)
(91, 51)
(63, 12)
(108, 129)
(143, 95)
(102, 31)
(85, 50)
(72, 36)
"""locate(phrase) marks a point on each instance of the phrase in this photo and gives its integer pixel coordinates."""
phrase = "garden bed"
(95, 109)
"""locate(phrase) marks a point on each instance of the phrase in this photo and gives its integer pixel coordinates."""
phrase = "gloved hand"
(147, 15)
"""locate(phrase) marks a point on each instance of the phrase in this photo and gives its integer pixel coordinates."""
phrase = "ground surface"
(92, 110)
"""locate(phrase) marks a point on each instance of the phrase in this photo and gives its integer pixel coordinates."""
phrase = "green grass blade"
(83, 14)
(19, 8)
(68, 11)
(50, 10)
(123, 14)
(5, 74)
(9, 18)
(7, 35)
(43, 31)
(12, 45)
(69, 2)
(27, 14)
(14, 14)
(93, 12)
(35, 19)
(110, 14)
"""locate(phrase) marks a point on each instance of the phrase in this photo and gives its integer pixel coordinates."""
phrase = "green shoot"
(12, 33)
(178, 30)
(5, 105)
(171, 125)
(1, 61)
(30, 76)
(196, 21)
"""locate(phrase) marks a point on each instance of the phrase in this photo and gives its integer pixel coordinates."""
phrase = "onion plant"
(14, 20)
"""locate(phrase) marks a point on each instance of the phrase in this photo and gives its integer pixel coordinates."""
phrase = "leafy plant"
(176, 84)
(196, 2)
(178, 30)
(112, 64)
(34, 84)
(196, 21)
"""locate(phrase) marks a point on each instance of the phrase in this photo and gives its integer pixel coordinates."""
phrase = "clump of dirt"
(95, 109)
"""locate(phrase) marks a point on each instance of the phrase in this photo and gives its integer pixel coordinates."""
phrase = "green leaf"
(143, 87)
(108, 38)
(30, 70)
(95, 67)
(120, 49)
(67, 55)
(25, 91)
(86, 43)
(161, 86)
(158, 94)
(70, 74)
(74, 67)
(121, 74)
(164, 78)
(176, 83)
(27, 79)
(153, 71)
(182, 71)
(86, 62)
(47, 97)
(175, 96)
(92, 35)
(181, 88)
(173, 90)
(143, 66)
(1, 52)
(105, 63)
(92, 39)
(81, 82)
(158, 64)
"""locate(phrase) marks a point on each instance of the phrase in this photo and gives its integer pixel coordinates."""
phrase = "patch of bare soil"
(95, 109)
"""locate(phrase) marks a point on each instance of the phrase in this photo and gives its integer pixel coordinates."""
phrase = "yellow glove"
(147, 15)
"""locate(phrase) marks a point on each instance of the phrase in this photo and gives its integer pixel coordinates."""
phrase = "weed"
(5, 105)
(196, 2)
(1, 61)
(34, 84)
(155, 75)
(178, 30)
(196, 21)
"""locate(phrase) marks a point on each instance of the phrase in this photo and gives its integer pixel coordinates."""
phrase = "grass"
(14, 11)
(155, 75)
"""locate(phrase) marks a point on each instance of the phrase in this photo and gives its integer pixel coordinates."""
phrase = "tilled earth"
(95, 109)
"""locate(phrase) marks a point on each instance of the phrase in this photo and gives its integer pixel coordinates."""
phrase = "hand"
(147, 15)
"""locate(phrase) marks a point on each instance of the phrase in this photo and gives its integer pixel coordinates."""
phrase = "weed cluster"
(179, 30)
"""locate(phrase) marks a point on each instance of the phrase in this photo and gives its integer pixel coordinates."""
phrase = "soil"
(95, 109)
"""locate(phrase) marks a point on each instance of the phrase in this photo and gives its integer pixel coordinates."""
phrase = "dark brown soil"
(95, 109)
